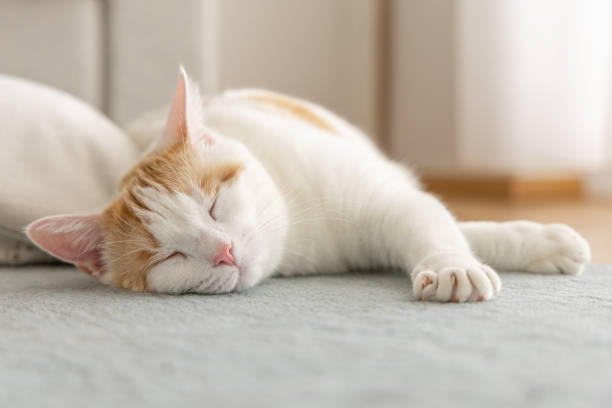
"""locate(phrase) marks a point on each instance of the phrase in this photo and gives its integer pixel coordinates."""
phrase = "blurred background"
(504, 107)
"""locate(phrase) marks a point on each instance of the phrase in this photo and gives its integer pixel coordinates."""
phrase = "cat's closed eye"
(212, 208)
(175, 254)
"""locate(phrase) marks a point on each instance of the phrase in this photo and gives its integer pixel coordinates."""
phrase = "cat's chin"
(237, 280)
(248, 277)
(218, 286)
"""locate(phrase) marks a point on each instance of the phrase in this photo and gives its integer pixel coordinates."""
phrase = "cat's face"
(197, 214)
(192, 218)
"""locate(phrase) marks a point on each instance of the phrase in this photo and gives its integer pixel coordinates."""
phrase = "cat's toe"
(471, 281)
(453, 285)
(485, 281)
(558, 249)
(424, 285)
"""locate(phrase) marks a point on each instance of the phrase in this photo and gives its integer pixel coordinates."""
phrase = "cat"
(252, 184)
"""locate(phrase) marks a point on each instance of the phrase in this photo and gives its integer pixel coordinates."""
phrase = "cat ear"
(72, 238)
(185, 121)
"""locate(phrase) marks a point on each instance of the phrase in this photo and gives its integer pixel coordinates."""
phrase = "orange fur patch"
(214, 177)
(129, 249)
(128, 246)
(295, 108)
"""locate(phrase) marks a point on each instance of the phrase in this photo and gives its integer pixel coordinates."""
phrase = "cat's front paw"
(454, 277)
(556, 248)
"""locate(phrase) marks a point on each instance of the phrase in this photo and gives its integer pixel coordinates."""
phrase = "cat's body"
(327, 171)
(255, 183)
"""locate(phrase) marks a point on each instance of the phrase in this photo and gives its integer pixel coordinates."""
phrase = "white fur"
(317, 202)
(528, 246)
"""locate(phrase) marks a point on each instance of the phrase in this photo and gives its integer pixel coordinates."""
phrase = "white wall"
(501, 86)
(147, 43)
(532, 84)
(422, 109)
(32, 34)
(318, 49)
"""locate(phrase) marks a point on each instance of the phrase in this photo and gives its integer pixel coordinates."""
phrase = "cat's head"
(196, 214)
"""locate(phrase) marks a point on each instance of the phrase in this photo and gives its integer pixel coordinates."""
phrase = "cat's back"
(275, 110)
(288, 135)
(299, 141)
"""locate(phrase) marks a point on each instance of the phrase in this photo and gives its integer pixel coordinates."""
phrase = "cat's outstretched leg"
(429, 243)
(528, 246)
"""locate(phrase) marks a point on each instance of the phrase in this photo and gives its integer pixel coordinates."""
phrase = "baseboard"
(600, 184)
(510, 188)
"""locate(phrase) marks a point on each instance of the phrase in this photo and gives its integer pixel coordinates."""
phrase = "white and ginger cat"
(254, 184)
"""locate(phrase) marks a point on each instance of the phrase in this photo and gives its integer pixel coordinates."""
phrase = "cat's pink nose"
(225, 256)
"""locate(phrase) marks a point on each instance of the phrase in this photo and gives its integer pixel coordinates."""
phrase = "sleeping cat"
(253, 184)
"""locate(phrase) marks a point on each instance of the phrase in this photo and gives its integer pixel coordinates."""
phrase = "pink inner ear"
(185, 122)
(176, 126)
(72, 238)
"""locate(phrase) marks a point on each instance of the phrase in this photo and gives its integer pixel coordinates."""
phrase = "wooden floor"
(593, 219)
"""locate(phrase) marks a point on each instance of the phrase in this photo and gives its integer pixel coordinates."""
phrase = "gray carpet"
(354, 340)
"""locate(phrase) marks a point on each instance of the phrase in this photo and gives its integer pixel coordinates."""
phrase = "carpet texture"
(352, 340)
